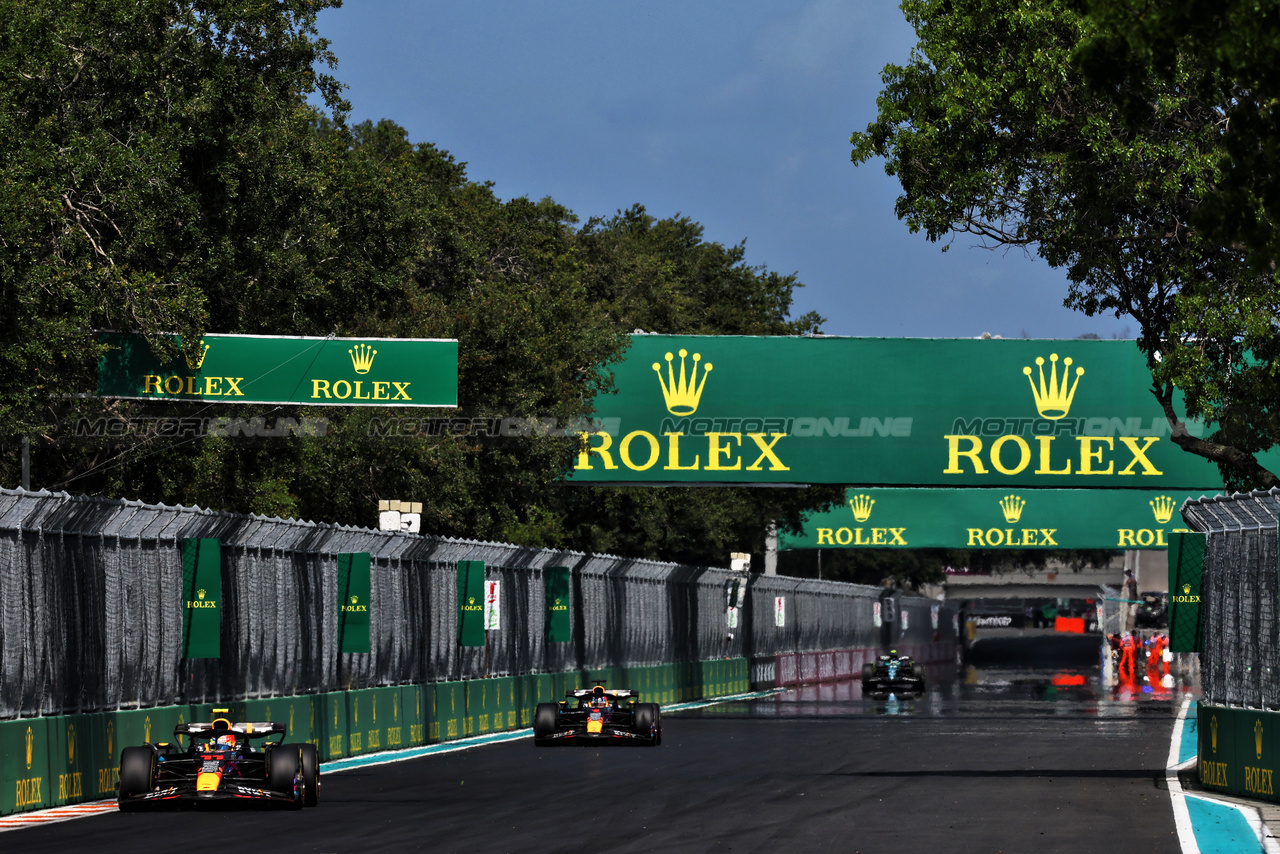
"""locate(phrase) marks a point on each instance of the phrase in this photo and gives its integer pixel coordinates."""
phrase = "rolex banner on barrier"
(887, 412)
(279, 369)
(471, 603)
(559, 624)
(994, 519)
(1186, 577)
(201, 598)
(354, 588)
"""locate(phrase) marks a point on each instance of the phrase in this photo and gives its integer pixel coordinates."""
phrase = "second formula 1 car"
(597, 715)
(893, 674)
(220, 763)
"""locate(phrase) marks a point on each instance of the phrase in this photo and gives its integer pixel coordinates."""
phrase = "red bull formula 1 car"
(220, 763)
(595, 715)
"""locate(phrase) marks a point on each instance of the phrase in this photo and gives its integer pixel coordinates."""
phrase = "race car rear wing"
(252, 729)
(617, 693)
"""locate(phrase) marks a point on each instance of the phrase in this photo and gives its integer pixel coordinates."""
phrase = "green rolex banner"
(353, 602)
(471, 603)
(559, 626)
(1186, 575)
(201, 598)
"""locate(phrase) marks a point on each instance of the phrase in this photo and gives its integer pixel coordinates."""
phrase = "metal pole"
(26, 463)
(771, 549)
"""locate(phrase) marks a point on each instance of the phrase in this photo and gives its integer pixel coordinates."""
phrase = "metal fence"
(91, 612)
(1240, 658)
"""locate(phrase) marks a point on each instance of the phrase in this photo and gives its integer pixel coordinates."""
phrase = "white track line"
(1181, 818)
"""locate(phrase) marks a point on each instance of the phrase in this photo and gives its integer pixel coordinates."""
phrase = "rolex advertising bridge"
(120, 620)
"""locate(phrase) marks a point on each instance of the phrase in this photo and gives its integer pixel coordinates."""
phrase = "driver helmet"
(598, 698)
(225, 742)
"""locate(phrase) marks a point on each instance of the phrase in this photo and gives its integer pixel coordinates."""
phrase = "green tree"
(1139, 45)
(156, 164)
(993, 132)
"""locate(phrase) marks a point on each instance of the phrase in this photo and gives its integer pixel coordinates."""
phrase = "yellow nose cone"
(207, 781)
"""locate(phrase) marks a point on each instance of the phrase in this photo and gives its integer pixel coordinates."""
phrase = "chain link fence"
(1240, 658)
(91, 611)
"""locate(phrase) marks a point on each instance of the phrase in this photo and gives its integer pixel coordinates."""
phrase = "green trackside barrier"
(1239, 751)
(333, 721)
(539, 688)
(24, 765)
(416, 712)
(372, 720)
(450, 711)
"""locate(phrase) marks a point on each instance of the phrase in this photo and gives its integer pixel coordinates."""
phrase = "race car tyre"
(544, 723)
(310, 757)
(659, 738)
(920, 672)
(283, 765)
(868, 670)
(645, 721)
(137, 773)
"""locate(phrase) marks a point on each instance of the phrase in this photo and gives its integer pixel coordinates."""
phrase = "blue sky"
(736, 114)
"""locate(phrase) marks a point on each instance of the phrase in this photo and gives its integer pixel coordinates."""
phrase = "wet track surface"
(992, 759)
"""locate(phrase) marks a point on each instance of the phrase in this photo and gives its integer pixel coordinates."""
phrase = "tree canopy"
(164, 172)
(995, 132)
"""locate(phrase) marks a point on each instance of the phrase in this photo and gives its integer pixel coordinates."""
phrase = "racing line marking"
(57, 814)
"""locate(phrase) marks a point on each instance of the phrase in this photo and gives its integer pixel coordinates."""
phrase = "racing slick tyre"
(544, 723)
(310, 774)
(284, 764)
(137, 774)
(868, 671)
(646, 721)
(920, 673)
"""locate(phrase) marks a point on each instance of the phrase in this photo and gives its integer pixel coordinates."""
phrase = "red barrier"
(1075, 625)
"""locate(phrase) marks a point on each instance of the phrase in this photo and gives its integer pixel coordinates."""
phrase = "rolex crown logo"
(682, 395)
(1213, 732)
(471, 600)
(362, 358)
(195, 363)
(31, 743)
(861, 506)
(1186, 589)
(1257, 736)
(1012, 506)
(200, 594)
(1053, 401)
(1162, 507)
(355, 599)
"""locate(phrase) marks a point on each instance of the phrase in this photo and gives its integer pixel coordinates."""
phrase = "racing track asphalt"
(999, 760)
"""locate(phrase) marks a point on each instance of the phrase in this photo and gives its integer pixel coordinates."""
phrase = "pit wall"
(1239, 751)
(806, 668)
(67, 759)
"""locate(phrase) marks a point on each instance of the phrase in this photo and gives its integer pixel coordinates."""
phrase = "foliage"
(1140, 44)
(993, 132)
(156, 165)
